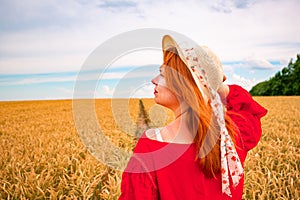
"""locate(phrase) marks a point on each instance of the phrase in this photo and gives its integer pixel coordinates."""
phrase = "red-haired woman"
(200, 154)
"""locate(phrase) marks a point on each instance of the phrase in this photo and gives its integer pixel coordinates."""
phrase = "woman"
(200, 154)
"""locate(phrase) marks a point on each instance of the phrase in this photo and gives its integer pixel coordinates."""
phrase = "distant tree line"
(285, 82)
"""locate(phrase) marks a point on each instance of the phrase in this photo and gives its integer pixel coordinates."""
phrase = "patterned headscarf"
(207, 72)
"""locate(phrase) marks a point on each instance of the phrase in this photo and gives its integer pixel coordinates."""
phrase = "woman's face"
(162, 94)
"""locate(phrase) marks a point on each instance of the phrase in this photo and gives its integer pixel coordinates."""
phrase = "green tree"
(285, 82)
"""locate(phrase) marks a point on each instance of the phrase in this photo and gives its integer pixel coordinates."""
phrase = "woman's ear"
(224, 78)
(223, 91)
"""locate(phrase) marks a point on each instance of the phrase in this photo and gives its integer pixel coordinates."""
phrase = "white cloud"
(256, 63)
(107, 92)
(58, 36)
(144, 91)
(228, 69)
(139, 58)
(68, 92)
(68, 78)
(37, 80)
(244, 82)
(227, 6)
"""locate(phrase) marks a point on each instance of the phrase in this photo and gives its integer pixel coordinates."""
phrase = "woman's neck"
(178, 131)
(180, 110)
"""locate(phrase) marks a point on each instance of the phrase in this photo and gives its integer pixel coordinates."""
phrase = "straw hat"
(204, 57)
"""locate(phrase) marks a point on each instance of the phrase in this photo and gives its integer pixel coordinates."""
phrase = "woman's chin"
(157, 101)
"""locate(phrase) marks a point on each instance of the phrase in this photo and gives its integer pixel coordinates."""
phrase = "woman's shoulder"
(150, 134)
(154, 134)
(148, 141)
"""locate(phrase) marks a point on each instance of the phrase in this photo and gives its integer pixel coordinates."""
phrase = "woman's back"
(181, 178)
(162, 170)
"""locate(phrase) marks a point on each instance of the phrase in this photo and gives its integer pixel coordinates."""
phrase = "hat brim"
(169, 42)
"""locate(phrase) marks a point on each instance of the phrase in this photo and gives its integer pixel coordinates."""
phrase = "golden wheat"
(42, 156)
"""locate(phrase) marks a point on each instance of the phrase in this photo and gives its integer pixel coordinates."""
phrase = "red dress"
(169, 171)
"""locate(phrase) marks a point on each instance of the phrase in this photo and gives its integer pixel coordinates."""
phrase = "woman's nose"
(155, 80)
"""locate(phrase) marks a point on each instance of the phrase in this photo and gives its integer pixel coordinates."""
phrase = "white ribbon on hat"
(230, 163)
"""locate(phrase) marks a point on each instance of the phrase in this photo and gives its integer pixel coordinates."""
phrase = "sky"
(45, 44)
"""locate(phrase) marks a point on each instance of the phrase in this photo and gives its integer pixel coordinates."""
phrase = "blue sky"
(43, 44)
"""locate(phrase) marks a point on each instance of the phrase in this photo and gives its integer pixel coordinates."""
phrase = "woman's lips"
(155, 92)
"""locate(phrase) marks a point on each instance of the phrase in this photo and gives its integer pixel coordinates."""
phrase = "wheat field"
(42, 156)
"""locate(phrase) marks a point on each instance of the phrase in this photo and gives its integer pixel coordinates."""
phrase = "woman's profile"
(200, 154)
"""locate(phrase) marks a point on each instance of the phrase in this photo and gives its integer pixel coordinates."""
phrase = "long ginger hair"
(200, 117)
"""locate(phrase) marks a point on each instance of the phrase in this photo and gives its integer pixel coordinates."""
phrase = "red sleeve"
(136, 186)
(246, 114)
